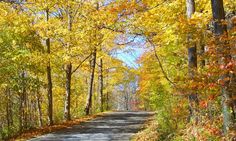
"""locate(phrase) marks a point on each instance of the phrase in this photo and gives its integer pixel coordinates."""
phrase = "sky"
(132, 52)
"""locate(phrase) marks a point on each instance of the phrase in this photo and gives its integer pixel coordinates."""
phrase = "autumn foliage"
(59, 60)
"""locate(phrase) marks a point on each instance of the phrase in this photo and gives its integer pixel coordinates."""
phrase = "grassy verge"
(149, 133)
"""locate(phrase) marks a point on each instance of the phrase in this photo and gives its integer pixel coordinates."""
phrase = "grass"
(149, 133)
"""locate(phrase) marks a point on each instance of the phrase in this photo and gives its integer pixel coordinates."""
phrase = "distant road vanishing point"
(118, 126)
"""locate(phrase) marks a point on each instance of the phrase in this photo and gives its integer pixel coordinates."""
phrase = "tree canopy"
(59, 60)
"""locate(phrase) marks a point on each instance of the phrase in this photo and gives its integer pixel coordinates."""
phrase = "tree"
(68, 70)
(91, 80)
(49, 79)
(52, 51)
(101, 97)
(223, 52)
(192, 61)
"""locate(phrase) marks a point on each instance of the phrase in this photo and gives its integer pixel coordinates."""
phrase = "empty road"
(119, 126)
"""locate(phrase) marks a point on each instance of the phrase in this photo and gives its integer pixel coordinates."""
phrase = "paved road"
(119, 126)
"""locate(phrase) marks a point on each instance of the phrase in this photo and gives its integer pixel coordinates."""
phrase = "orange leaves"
(113, 10)
(124, 8)
(48, 129)
(203, 104)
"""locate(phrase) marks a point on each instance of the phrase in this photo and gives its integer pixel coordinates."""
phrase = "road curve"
(119, 126)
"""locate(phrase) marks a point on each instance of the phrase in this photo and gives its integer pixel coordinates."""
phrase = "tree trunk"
(126, 101)
(20, 113)
(202, 51)
(232, 87)
(101, 84)
(107, 92)
(23, 104)
(223, 54)
(107, 101)
(90, 88)
(192, 62)
(49, 79)
(67, 115)
(8, 110)
(38, 98)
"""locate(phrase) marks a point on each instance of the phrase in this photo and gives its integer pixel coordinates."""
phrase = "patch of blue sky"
(131, 52)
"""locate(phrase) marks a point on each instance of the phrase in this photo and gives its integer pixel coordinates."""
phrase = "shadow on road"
(112, 126)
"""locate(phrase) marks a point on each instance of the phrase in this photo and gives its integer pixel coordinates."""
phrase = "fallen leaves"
(48, 129)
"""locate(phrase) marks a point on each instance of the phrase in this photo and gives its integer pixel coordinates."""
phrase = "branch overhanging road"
(112, 126)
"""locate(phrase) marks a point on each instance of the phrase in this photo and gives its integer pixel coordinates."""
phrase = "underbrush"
(150, 133)
(176, 120)
(167, 128)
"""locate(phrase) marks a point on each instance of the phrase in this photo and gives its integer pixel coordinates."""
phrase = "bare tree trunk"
(67, 115)
(31, 110)
(20, 113)
(107, 90)
(202, 51)
(23, 104)
(127, 101)
(107, 101)
(192, 62)
(49, 79)
(90, 88)
(38, 97)
(101, 84)
(223, 53)
(25, 101)
(232, 87)
(8, 109)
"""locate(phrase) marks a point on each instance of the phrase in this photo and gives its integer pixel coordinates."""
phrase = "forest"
(60, 61)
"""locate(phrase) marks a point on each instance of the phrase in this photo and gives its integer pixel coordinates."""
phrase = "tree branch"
(160, 64)
(81, 64)
(121, 31)
(128, 41)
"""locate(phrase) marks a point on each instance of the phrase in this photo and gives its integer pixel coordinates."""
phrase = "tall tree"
(224, 57)
(67, 115)
(49, 78)
(192, 59)
(23, 102)
(91, 81)
(101, 83)
(39, 107)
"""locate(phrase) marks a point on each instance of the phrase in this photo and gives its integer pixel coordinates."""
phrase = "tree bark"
(107, 92)
(20, 113)
(202, 51)
(23, 104)
(90, 88)
(101, 84)
(49, 79)
(232, 27)
(8, 109)
(223, 54)
(67, 115)
(107, 101)
(192, 62)
(38, 98)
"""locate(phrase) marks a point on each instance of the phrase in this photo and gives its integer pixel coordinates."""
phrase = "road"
(119, 126)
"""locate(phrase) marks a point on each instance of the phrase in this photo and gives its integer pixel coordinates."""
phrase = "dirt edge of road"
(149, 127)
(28, 134)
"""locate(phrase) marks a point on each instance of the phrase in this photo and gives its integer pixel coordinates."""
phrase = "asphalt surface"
(118, 126)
